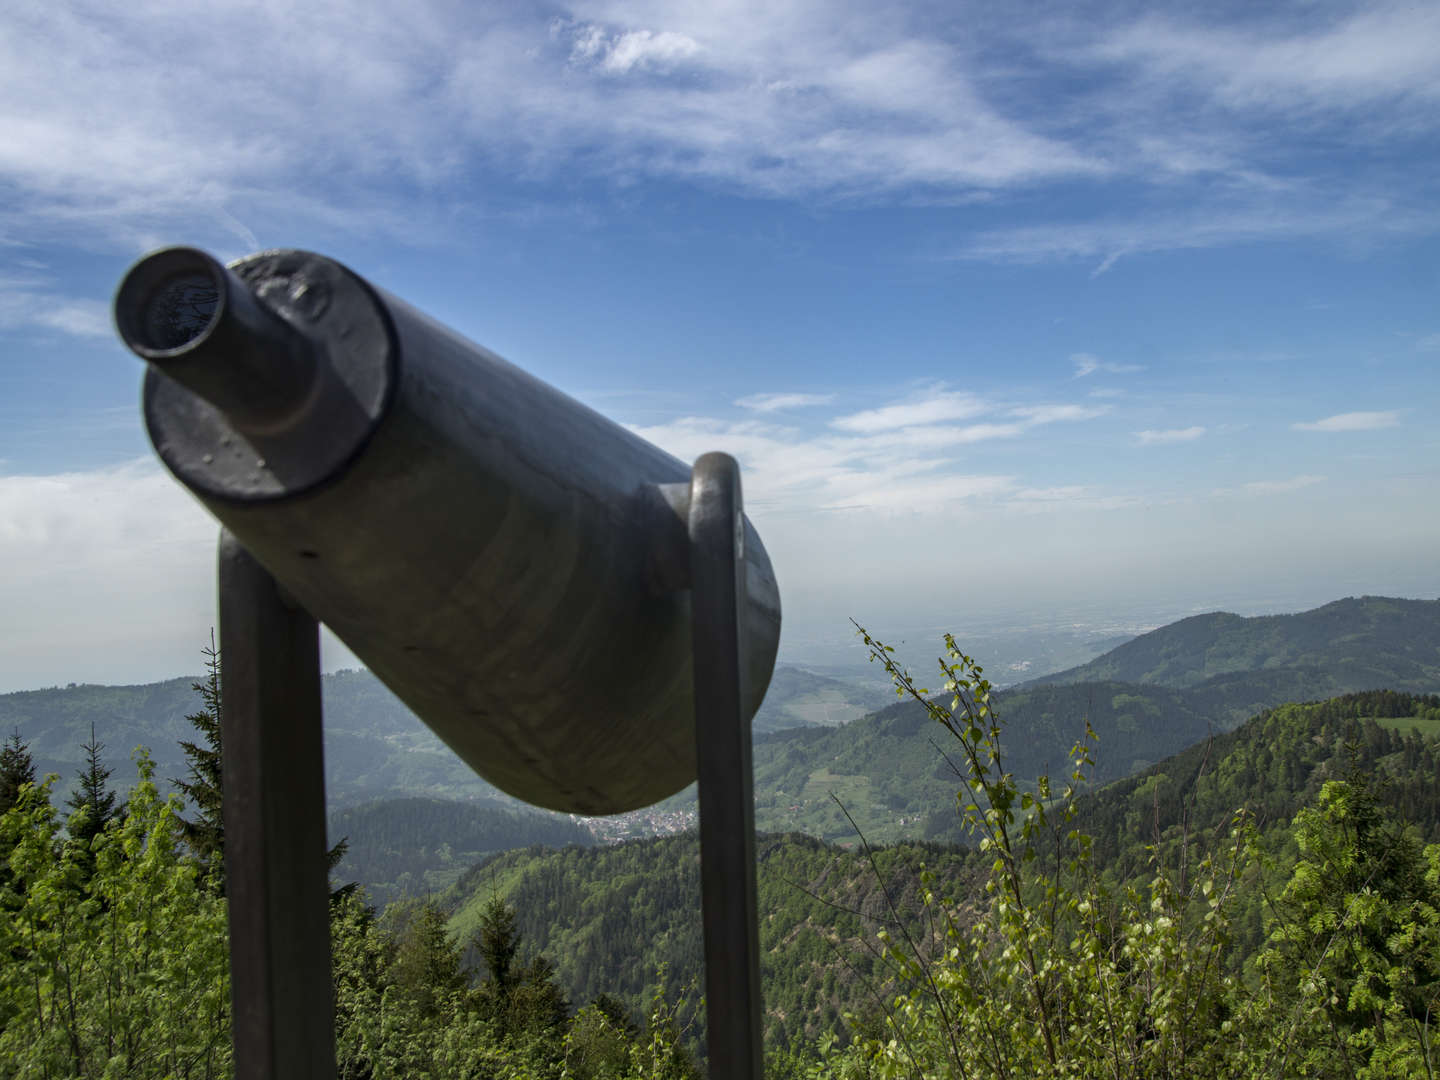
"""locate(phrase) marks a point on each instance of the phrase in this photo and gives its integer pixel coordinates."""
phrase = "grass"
(1429, 729)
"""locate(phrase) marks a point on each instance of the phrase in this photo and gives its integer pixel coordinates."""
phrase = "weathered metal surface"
(727, 801)
(512, 564)
(274, 804)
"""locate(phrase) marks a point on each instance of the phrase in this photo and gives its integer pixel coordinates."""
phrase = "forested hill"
(410, 847)
(1273, 765)
(1366, 643)
(890, 771)
(611, 917)
(375, 748)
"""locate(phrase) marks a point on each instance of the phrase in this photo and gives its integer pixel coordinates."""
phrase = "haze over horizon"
(1031, 316)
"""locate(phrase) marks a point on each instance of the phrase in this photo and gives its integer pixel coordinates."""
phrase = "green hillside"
(417, 846)
(1272, 765)
(609, 917)
(374, 746)
(889, 770)
(1363, 643)
(55, 722)
(1146, 699)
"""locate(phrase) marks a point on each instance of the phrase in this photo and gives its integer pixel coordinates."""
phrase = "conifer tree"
(17, 769)
(205, 831)
(499, 941)
(518, 999)
(427, 965)
(92, 800)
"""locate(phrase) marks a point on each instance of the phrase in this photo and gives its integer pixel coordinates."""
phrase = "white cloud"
(119, 578)
(117, 561)
(788, 471)
(30, 301)
(102, 115)
(934, 407)
(1171, 435)
(1261, 488)
(1352, 421)
(902, 456)
(1049, 414)
(1385, 54)
(617, 54)
(1429, 343)
(1086, 364)
(935, 436)
(1068, 497)
(1279, 487)
(1209, 224)
(765, 403)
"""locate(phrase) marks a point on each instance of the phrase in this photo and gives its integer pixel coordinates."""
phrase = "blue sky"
(1008, 311)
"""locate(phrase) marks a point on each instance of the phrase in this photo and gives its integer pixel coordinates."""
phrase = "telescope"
(586, 621)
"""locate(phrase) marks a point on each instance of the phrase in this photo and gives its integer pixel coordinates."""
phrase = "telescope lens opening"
(179, 309)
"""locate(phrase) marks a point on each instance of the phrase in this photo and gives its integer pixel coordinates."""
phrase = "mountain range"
(884, 772)
(1145, 700)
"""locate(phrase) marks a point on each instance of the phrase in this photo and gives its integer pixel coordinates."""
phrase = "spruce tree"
(515, 998)
(93, 793)
(17, 769)
(205, 831)
(499, 941)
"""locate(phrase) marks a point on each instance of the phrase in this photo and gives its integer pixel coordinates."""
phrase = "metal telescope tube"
(510, 563)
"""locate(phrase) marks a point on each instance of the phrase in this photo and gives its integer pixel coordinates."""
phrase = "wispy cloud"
(1352, 421)
(1049, 414)
(1271, 487)
(1381, 53)
(933, 407)
(768, 403)
(1171, 435)
(1069, 497)
(1255, 218)
(116, 560)
(100, 114)
(1086, 364)
(938, 436)
(620, 53)
(906, 455)
(1428, 343)
(30, 302)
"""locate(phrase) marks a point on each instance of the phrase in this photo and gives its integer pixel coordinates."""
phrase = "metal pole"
(726, 781)
(282, 1013)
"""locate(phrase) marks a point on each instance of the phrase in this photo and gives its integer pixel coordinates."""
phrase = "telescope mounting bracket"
(274, 803)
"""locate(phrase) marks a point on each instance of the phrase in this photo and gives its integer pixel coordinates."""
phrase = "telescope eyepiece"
(197, 322)
(178, 309)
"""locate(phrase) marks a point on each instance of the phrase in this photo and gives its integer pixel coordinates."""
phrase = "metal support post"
(282, 1019)
(726, 781)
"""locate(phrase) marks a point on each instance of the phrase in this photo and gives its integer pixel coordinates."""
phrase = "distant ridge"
(1146, 700)
(1365, 642)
